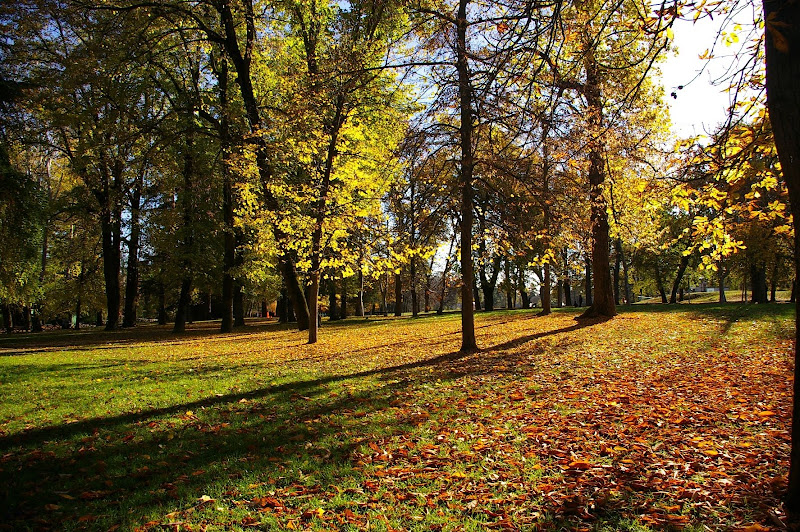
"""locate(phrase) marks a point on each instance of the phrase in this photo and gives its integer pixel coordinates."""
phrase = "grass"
(664, 417)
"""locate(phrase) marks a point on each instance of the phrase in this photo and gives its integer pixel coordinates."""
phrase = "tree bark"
(467, 167)
(559, 293)
(182, 311)
(783, 100)
(523, 290)
(398, 295)
(26, 318)
(414, 298)
(489, 283)
(603, 297)
(132, 281)
(758, 282)
(617, 264)
(313, 305)
(8, 322)
(773, 285)
(627, 288)
(343, 313)
(660, 283)
(295, 291)
(678, 278)
(110, 229)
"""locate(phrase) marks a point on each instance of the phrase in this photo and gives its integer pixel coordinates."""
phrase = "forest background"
(193, 161)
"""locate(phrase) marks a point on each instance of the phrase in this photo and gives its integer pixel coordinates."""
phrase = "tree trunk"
(384, 295)
(343, 314)
(660, 283)
(414, 298)
(721, 273)
(296, 296)
(567, 293)
(467, 167)
(523, 289)
(627, 288)
(36, 321)
(783, 101)
(559, 293)
(333, 308)
(488, 284)
(488, 296)
(313, 305)
(26, 318)
(283, 306)
(111, 264)
(758, 282)
(678, 278)
(8, 322)
(182, 311)
(398, 295)
(773, 285)
(603, 297)
(477, 296)
(132, 281)
(617, 264)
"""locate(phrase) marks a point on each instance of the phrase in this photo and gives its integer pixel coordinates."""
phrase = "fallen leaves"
(662, 424)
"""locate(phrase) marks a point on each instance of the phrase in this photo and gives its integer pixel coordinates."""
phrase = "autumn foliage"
(656, 419)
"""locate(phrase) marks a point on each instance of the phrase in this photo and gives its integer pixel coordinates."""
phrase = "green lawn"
(664, 417)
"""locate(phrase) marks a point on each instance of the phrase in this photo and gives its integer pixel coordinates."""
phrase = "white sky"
(700, 105)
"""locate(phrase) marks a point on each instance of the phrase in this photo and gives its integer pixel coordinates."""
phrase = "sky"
(700, 105)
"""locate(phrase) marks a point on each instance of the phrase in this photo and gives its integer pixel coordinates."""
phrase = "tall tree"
(783, 99)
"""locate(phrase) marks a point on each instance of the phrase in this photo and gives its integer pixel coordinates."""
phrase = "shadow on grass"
(726, 313)
(128, 468)
(118, 470)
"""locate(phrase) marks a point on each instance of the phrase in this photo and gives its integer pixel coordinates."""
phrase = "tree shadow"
(54, 476)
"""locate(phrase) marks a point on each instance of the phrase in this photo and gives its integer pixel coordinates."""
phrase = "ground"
(661, 418)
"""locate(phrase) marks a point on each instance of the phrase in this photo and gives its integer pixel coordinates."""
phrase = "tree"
(783, 100)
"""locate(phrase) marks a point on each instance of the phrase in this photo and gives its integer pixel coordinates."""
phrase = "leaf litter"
(648, 420)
